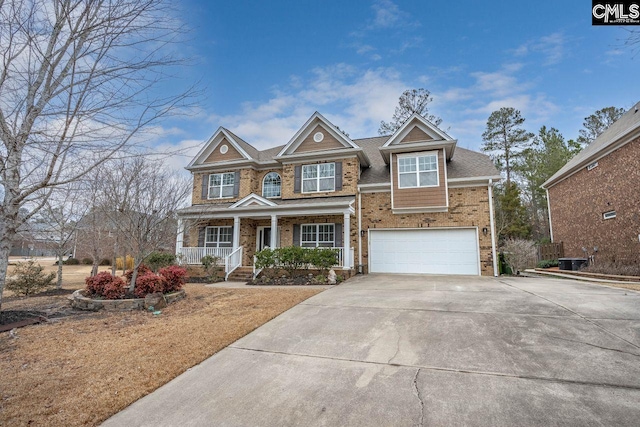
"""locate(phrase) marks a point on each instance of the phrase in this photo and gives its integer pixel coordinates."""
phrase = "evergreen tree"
(505, 138)
(597, 123)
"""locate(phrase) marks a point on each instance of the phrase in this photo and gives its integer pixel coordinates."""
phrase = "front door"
(264, 238)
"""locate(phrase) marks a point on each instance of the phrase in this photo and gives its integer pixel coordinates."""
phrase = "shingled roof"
(616, 134)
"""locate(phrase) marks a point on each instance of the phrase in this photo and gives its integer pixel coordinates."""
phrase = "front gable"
(417, 134)
(222, 147)
(252, 200)
(317, 135)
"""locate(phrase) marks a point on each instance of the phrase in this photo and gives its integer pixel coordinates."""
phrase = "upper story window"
(221, 185)
(418, 171)
(271, 185)
(316, 178)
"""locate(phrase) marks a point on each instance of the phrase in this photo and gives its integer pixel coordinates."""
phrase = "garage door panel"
(434, 251)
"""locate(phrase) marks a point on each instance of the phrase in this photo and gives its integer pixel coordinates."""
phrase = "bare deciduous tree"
(411, 101)
(76, 88)
(144, 198)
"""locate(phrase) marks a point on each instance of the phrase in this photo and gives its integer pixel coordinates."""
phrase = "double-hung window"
(418, 171)
(221, 185)
(218, 237)
(317, 178)
(315, 235)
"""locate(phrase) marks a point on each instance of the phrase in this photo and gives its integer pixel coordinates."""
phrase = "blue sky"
(265, 67)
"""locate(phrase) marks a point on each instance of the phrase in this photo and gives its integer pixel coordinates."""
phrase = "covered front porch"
(234, 233)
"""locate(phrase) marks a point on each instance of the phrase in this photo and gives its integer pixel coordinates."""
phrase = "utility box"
(572, 264)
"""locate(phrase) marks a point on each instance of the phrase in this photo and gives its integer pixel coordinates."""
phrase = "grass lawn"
(81, 369)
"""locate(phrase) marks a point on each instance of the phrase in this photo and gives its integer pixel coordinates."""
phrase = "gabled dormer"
(319, 139)
(417, 155)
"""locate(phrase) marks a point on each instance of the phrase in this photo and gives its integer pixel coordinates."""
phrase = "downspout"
(549, 214)
(493, 236)
(359, 270)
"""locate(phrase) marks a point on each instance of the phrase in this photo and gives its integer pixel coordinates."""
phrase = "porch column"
(346, 243)
(236, 232)
(179, 238)
(274, 232)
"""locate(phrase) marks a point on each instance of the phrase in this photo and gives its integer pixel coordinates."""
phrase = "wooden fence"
(550, 251)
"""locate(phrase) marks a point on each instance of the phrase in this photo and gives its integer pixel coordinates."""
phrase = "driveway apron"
(413, 350)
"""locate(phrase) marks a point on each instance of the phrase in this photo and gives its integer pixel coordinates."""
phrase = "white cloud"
(551, 47)
(354, 100)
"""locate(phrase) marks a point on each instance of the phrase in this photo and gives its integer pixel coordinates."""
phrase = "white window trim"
(263, 181)
(417, 171)
(609, 215)
(317, 242)
(217, 242)
(221, 185)
(317, 178)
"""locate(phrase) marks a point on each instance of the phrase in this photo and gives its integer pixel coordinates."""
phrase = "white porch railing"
(233, 261)
(194, 255)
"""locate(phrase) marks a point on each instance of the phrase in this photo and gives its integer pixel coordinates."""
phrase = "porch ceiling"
(293, 207)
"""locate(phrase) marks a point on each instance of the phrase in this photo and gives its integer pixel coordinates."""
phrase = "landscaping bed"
(82, 368)
(598, 276)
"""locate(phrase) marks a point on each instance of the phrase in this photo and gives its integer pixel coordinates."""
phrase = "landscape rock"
(331, 278)
(155, 300)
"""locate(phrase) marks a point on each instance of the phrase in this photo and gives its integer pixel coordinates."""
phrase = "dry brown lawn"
(80, 370)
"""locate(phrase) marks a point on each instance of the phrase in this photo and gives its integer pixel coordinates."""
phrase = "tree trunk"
(5, 249)
(59, 282)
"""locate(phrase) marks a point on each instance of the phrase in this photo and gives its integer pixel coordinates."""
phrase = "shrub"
(158, 260)
(142, 270)
(105, 285)
(105, 261)
(174, 278)
(148, 283)
(71, 261)
(210, 264)
(29, 279)
(519, 254)
(323, 258)
(87, 261)
(266, 258)
(613, 267)
(120, 264)
(547, 263)
(293, 258)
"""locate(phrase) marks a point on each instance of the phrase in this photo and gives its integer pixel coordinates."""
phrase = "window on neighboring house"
(271, 185)
(221, 185)
(418, 171)
(592, 166)
(317, 178)
(218, 237)
(609, 215)
(314, 235)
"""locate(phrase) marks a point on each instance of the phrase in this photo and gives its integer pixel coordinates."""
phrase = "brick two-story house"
(407, 203)
(594, 200)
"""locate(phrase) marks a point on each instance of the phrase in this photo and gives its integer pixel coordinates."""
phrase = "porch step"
(241, 274)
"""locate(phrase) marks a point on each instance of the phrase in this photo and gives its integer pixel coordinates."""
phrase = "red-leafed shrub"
(148, 284)
(106, 286)
(143, 270)
(174, 277)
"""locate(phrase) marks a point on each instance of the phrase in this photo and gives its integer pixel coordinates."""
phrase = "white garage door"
(432, 251)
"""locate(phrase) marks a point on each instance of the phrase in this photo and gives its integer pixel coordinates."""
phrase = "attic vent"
(318, 137)
(224, 148)
(592, 166)
(609, 215)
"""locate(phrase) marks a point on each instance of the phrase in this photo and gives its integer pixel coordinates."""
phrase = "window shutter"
(201, 232)
(205, 186)
(338, 176)
(337, 235)
(297, 179)
(236, 184)
(296, 234)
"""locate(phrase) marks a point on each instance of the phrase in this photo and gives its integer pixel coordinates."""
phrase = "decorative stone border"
(82, 302)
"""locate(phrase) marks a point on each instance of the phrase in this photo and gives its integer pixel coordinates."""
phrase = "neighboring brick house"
(408, 203)
(594, 200)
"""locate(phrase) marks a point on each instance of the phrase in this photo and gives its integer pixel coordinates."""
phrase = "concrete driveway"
(405, 350)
